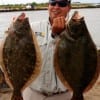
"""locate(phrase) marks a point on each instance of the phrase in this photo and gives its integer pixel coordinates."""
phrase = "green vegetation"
(23, 6)
(12, 6)
(85, 5)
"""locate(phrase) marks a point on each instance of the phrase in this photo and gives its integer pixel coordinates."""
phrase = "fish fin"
(77, 96)
(17, 96)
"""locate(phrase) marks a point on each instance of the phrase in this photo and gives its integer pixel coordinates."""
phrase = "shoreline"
(38, 9)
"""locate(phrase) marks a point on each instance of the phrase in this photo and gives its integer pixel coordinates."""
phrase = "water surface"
(92, 18)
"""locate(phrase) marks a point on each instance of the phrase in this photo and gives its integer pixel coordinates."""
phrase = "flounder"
(75, 58)
(3, 85)
(21, 56)
(1, 77)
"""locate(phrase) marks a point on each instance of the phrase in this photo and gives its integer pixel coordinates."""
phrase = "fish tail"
(17, 96)
(77, 96)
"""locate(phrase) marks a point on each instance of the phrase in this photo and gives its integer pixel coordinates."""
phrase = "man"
(48, 86)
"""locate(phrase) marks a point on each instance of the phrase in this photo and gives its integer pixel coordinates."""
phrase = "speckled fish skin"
(3, 85)
(19, 55)
(75, 58)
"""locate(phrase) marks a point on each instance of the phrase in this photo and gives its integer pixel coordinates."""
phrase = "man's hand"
(58, 25)
(77, 16)
(21, 18)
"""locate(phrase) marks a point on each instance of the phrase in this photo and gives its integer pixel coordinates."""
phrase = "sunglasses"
(60, 3)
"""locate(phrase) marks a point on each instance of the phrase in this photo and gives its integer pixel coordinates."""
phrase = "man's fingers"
(13, 19)
(59, 22)
(77, 15)
(62, 22)
(20, 17)
(58, 25)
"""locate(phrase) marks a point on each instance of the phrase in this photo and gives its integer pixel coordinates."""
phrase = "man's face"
(58, 8)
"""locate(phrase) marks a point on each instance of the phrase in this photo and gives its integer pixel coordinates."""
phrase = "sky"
(41, 1)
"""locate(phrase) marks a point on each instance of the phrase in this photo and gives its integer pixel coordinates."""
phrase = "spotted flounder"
(75, 58)
(21, 56)
(3, 85)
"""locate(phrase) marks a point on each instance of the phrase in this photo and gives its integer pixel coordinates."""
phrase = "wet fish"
(1, 77)
(4, 88)
(21, 56)
(75, 58)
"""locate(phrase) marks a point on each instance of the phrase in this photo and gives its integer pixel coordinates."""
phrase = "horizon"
(4, 2)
